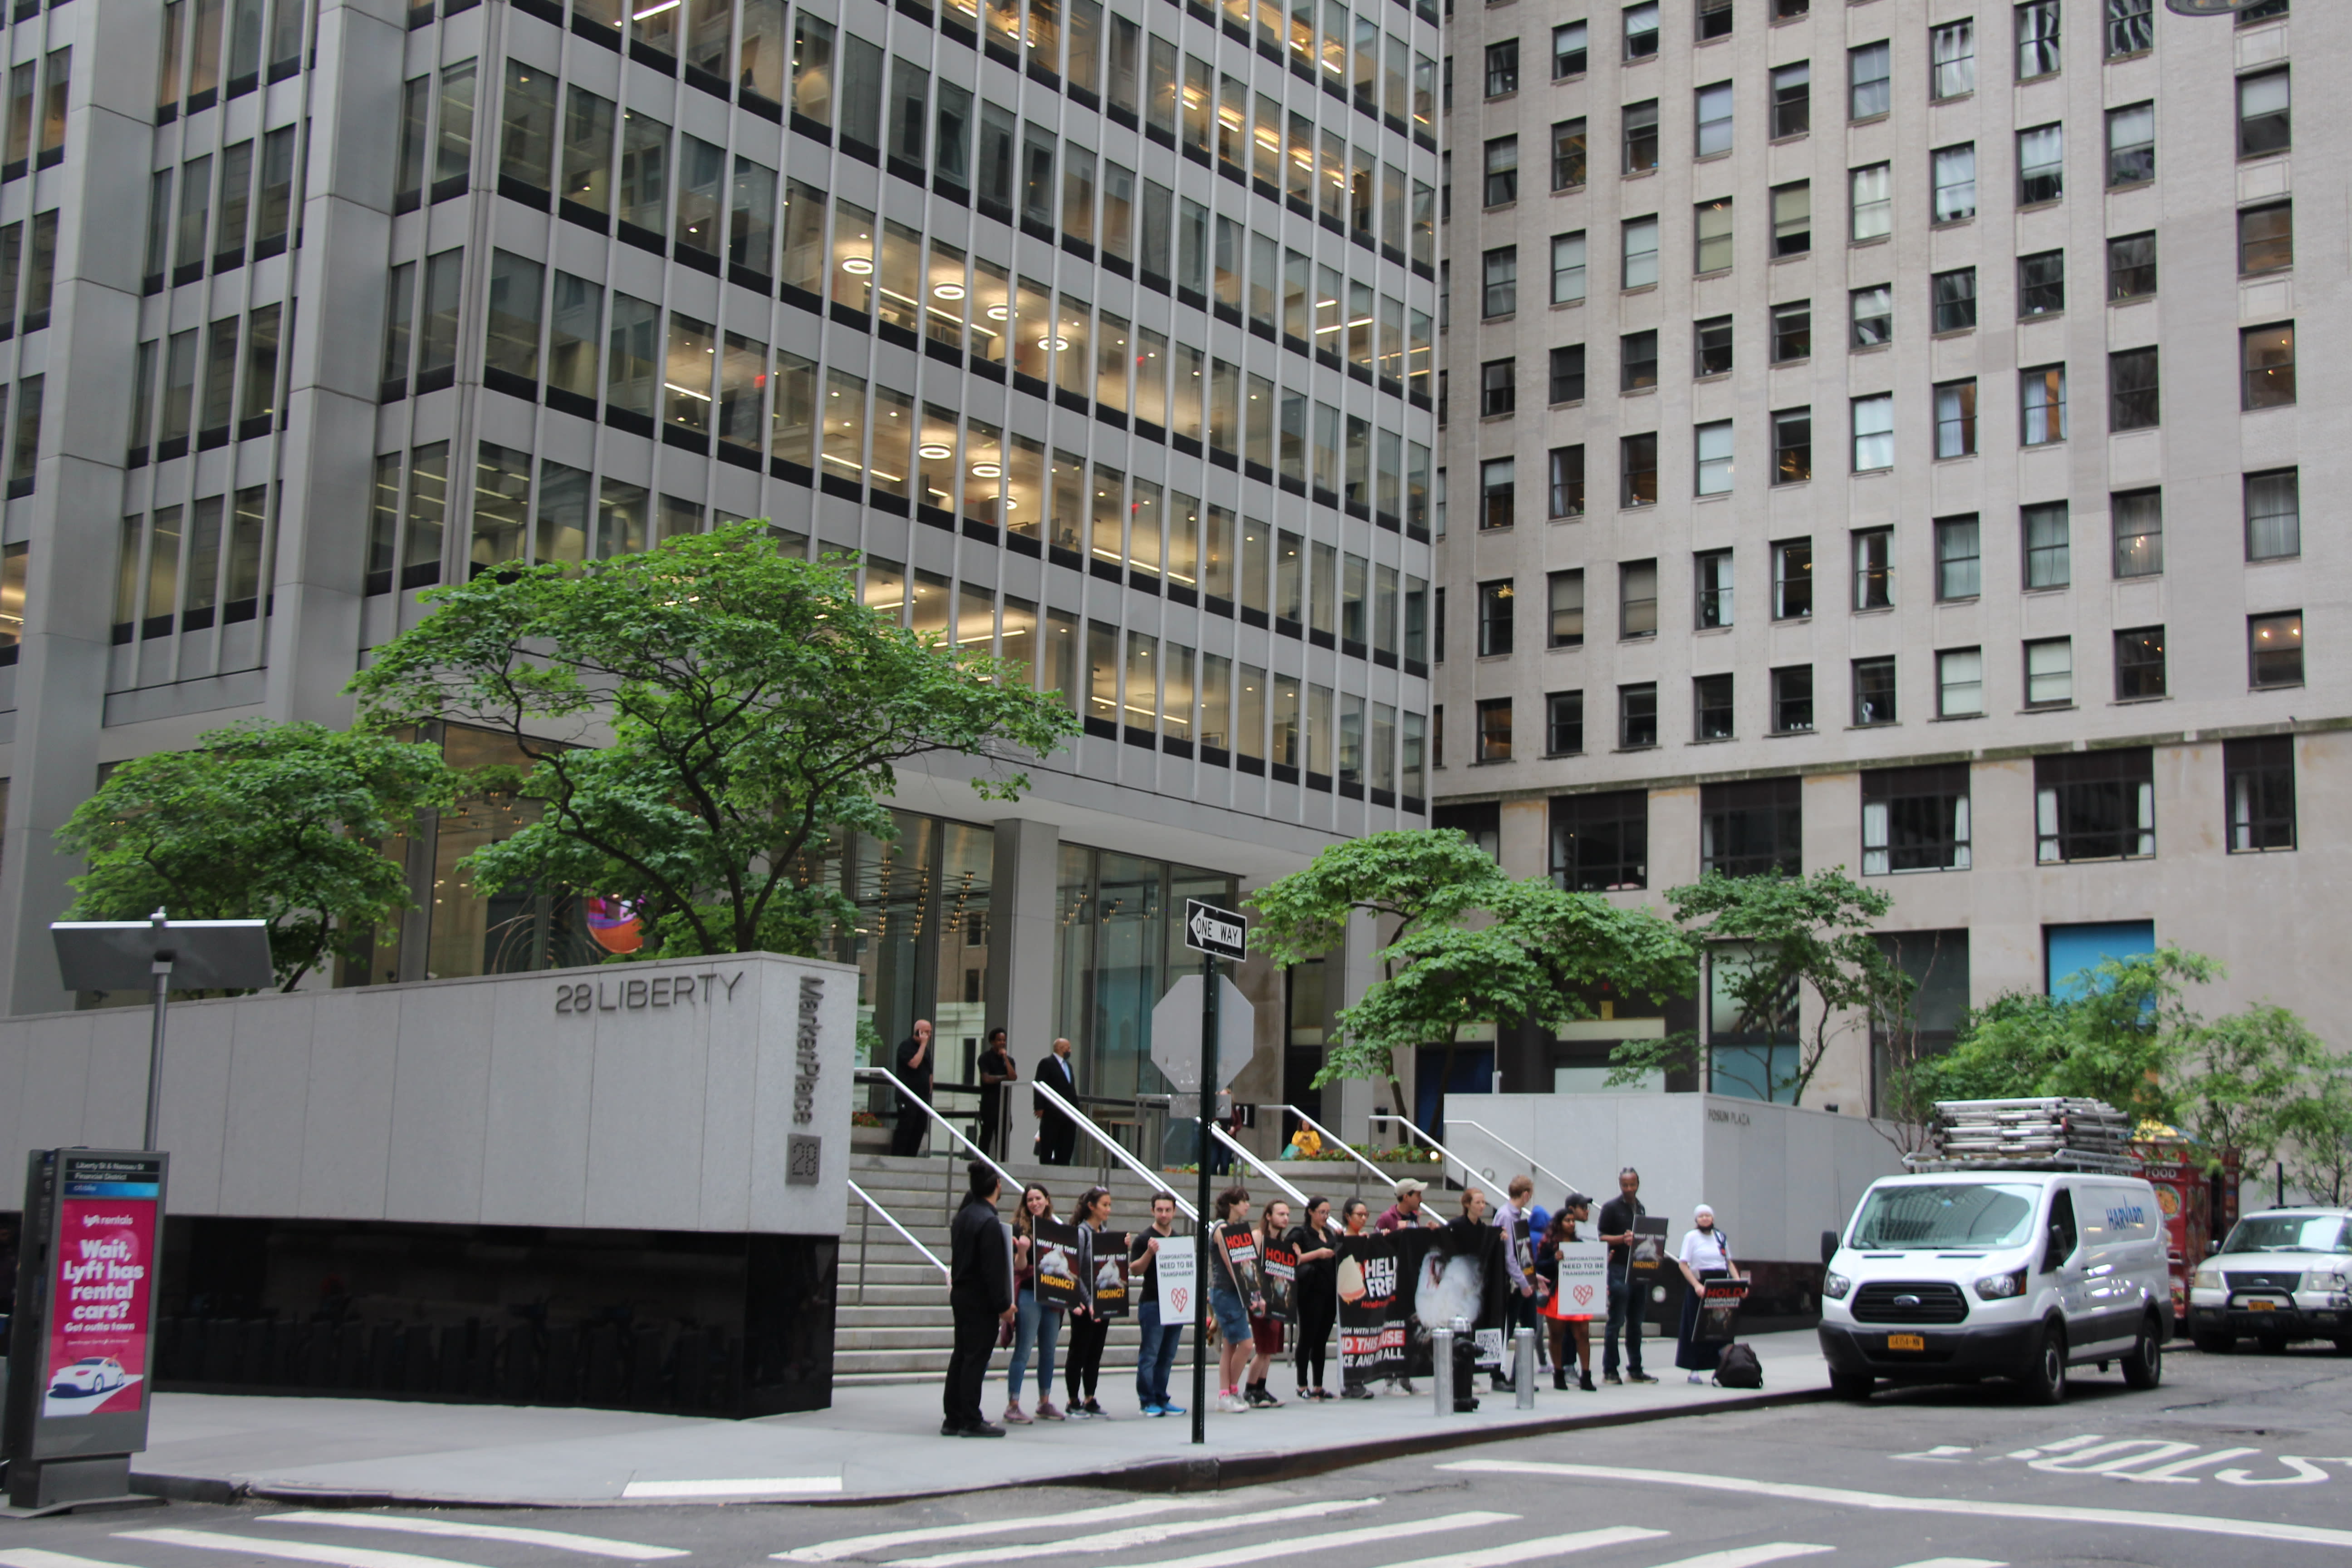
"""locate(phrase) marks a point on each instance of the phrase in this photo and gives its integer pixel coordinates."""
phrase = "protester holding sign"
(1234, 1293)
(1163, 1328)
(1619, 1217)
(1035, 1326)
(1575, 1270)
(1514, 1220)
(1361, 1295)
(1705, 1254)
(1277, 1280)
(1088, 1328)
(1318, 1296)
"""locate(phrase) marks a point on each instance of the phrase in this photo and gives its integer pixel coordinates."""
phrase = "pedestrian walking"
(1036, 1327)
(913, 1067)
(1088, 1328)
(1230, 1302)
(1561, 1316)
(1265, 1329)
(980, 1297)
(996, 1070)
(1355, 1220)
(1704, 1255)
(1515, 1221)
(1318, 1295)
(1057, 1133)
(1155, 1356)
(1617, 1217)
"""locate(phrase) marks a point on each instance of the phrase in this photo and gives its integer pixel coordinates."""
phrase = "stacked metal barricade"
(2043, 1133)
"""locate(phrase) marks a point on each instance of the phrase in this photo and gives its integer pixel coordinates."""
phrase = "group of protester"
(995, 1296)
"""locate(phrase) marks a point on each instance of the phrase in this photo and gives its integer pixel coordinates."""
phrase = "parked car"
(2282, 1274)
(93, 1374)
(2020, 1274)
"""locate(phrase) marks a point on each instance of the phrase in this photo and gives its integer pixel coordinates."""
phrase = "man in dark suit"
(980, 1295)
(1057, 1133)
(913, 1066)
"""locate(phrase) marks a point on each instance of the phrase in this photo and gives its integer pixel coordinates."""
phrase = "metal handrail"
(1268, 1172)
(1533, 1162)
(904, 1235)
(1334, 1140)
(906, 1096)
(1469, 1172)
(1086, 1125)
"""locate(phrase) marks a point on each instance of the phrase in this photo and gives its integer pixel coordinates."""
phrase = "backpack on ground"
(1740, 1368)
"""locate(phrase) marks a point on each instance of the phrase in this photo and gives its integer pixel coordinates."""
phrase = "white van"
(1977, 1273)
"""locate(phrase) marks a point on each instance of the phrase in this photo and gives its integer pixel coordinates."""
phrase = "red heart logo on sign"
(1583, 1294)
(1178, 1297)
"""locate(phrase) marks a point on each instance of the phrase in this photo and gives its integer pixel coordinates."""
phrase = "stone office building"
(1878, 439)
(1104, 331)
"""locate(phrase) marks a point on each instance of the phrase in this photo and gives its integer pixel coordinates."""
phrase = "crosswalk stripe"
(1140, 1535)
(860, 1545)
(1527, 1550)
(34, 1557)
(293, 1551)
(593, 1545)
(1749, 1556)
(1299, 1545)
(1956, 1563)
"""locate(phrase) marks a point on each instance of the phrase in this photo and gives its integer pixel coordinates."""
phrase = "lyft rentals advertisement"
(100, 1287)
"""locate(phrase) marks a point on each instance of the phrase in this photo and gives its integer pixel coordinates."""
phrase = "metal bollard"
(1441, 1352)
(1523, 1368)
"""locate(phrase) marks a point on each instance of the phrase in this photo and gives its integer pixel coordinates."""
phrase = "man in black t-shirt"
(996, 1070)
(1617, 1217)
(913, 1067)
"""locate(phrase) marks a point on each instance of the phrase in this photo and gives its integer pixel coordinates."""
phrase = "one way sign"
(1220, 933)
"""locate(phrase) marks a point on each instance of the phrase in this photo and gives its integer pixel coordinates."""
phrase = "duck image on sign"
(615, 925)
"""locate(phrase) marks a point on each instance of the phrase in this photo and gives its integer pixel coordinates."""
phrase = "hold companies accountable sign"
(804, 1152)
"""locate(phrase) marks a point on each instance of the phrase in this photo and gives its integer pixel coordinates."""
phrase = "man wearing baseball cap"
(1407, 1211)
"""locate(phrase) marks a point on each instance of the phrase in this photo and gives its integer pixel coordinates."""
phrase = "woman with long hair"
(1088, 1328)
(1561, 1317)
(1230, 1302)
(1265, 1329)
(1033, 1326)
(1318, 1295)
(1355, 1220)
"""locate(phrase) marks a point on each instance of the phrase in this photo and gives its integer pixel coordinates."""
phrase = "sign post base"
(39, 1487)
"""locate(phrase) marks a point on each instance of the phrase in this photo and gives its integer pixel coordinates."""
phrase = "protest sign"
(1240, 1243)
(1110, 1247)
(1173, 1271)
(1581, 1285)
(1279, 1272)
(1371, 1310)
(1056, 1261)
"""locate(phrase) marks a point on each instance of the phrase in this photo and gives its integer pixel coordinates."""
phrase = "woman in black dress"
(1318, 1296)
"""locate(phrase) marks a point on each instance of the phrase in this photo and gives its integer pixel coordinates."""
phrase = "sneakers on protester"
(1231, 1405)
(1016, 1416)
(1096, 1411)
(1046, 1412)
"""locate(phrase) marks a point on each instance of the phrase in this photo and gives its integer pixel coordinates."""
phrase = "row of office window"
(2128, 28)
(2046, 672)
(185, 568)
(2045, 556)
(2266, 380)
(214, 50)
(205, 386)
(2088, 806)
(35, 134)
(1069, 46)
(201, 217)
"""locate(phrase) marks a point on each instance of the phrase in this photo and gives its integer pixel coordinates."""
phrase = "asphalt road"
(2244, 1461)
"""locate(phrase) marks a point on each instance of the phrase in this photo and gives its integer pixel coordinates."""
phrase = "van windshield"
(1956, 1213)
(2290, 1233)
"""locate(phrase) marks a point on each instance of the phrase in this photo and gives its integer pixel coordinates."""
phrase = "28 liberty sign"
(635, 994)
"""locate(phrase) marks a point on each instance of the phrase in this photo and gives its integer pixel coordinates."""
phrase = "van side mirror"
(1829, 1246)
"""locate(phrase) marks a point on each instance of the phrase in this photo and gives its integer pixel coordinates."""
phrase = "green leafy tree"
(2318, 1126)
(1794, 934)
(2242, 1079)
(260, 821)
(696, 719)
(1468, 946)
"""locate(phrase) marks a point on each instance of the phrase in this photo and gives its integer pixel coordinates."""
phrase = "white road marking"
(1750, 1556)
(1299, 1545)
(2122, 1454)
(2060, 1447)
(2177, 1473)
(293, 1551)
(1140, 1535)
(1527, 1551)
(736, 1485)
(33, 1557)
(593, 1545)
(859, 1545)
(1956, 1563)
(1942, 1454)
(1841, 1496)
(2306, 1471)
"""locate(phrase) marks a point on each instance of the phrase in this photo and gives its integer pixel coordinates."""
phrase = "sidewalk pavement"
(877, 1443)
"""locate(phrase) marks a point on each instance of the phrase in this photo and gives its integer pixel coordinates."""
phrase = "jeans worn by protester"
(1038, 1329)
(1625, 1306)
(1155, 1358)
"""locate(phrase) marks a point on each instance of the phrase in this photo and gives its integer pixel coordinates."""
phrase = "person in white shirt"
(1705, 1254)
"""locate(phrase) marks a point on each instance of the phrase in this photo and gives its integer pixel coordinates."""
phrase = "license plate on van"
(2259, 1305)
(1906, 1341)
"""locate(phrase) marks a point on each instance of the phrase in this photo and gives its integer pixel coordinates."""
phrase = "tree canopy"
(259, 821)
(698, 717)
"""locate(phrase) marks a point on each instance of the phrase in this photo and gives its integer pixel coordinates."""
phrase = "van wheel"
(2045, 1378)
(2273, 1344)
(1852, 1385)
(2144, 1367)
(2210, 1344)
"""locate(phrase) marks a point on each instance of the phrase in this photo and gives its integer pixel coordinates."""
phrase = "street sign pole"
(1213, 934)
(1200, 1247)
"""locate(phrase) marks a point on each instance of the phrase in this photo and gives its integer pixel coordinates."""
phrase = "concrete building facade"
(1876, 439)
(1103, 332)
